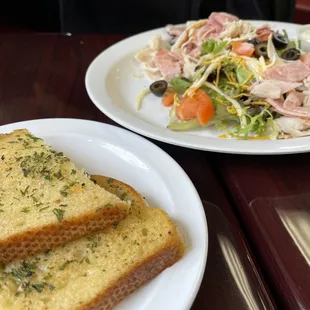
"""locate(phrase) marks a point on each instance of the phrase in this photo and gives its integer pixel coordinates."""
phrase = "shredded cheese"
(231, 110)
(241, 95)
(247, 80)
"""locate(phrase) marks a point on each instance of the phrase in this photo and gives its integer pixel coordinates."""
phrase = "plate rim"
(230, 146)
(205, 241)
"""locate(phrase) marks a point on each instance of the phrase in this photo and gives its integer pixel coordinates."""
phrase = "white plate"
(111, 151)
(112, 84)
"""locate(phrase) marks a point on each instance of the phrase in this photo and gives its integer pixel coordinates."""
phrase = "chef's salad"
(252, 82)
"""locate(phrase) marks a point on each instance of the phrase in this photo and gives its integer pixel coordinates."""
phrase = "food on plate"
(280, 41)
(45, 200)
(158, 88)
(222, 71)
(291, 54)
(261, 49)
(97, 271)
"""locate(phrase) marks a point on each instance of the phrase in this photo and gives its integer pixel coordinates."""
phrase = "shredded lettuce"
(184, 125)
(242, 75)
(256, 67)
(213, 47)
(236, 70)
(180, 85)
(198, 83)
(235, 103)
(272, 54)
(172, 114)
(221, 125)
(220, 122)
(143, 93)
(231, 62)
(228, 89)
(257, 124)
(199, 73)
(220, 119)
(271, 129)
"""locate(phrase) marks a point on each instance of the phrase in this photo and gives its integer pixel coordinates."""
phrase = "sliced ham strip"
(293, 100)
(175, 30)
(295, 71)
(263, 29)
(303, 112)
(192, 49)
(272, 88)
(198, 32)
(221, 18)
(306, 101)
(169, 64)
(286, 86)
(266, 89)
(216, 24)
(305, 58)
(207, 32)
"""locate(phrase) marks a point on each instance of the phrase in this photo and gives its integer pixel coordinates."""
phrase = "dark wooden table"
(42, 76)
(271, 196)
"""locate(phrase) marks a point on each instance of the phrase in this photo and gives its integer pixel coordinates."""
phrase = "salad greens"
(180, 85)
(212, 70)
(213, 46)
(256, 124)
(233, 79)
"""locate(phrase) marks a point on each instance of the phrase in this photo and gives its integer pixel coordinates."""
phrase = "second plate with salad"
(219, 84)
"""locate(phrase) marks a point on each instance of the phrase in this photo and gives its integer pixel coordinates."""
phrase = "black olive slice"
(158, 88)
(291, 54)
(279, 41)
(261, 49)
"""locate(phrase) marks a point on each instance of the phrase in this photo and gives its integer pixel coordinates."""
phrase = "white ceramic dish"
(111, 151)
(112, 83)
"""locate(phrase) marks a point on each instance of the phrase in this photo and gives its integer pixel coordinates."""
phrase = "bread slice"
(98, 271)
(45, 200)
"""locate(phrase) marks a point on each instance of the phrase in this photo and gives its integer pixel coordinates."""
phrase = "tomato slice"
(197, 106)
(264, 37)
(204, 114)
(168, 99)
(242, 48)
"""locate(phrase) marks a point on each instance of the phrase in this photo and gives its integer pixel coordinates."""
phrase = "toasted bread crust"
(118, 188)
(136, 277)
(45, 238)
(39, 237)
(157, 260)
(143, 271)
